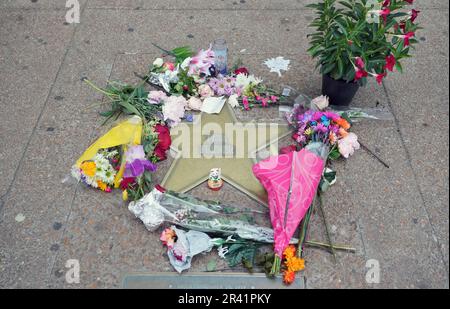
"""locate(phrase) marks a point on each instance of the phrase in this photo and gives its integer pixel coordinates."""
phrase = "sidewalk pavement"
(397, 216)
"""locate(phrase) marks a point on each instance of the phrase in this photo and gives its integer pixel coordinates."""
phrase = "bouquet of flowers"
(161, 206)
(100, 172)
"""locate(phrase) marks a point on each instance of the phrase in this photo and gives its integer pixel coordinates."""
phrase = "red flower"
(386, 3)
(360, 74)
(380, 77)
(390, 63)
(160, 188)
(384, 13)
(407, 37)
(360, 63)
(414, 14)
(288, 149)
(163, 136)
(126, 181)
(160, 153)
(242, 70)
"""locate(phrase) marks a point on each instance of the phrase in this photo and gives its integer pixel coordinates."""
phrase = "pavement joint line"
(70, 46)
(91, 137)
(41, 113)
(408, 157)
(28, 9)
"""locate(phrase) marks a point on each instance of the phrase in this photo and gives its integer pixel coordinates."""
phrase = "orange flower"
(343, 123)
(289, 252)
(288, 277)
(333, 138)
(88, 168)
(295, 264)
(342, 132)
(101, 185)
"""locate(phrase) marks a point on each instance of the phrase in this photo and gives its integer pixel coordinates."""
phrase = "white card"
(213, 105)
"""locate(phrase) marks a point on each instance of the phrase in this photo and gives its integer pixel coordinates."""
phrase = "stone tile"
(422, 113)
(393, 221)
(36, 4)
(30, 56)
(133, 31)
(38, 191)
(201, 5)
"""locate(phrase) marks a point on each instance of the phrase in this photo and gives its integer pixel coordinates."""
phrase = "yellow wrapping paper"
(125, 133)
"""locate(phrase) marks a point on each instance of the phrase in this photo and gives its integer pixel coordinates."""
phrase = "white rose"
(320, 103)
(158, 63)
(186, 63)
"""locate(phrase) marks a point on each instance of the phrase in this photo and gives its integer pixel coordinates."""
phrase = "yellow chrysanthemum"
(295, 264)
(125, 195)
(88, 168)
(101, 185)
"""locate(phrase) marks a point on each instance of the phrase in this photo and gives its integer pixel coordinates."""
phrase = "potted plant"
(358, 39)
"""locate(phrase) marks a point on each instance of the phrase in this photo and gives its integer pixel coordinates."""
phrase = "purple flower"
(332, 116)
(138, 167)
(136, 162)
(321, 128)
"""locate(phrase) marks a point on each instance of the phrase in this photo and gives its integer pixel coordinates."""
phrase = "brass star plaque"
(220, 141)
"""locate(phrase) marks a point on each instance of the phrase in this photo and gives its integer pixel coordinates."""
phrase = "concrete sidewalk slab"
(30, 57)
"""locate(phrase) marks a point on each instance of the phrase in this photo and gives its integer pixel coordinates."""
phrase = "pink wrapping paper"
(274, 174)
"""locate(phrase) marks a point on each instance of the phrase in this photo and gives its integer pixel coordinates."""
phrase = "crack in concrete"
(409, 159)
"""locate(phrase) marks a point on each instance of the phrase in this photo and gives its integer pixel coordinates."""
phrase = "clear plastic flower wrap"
(157, 208)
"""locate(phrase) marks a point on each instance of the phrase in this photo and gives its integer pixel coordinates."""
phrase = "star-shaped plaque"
(220, 141)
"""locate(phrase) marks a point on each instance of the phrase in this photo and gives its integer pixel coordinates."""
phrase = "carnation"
(156, 97)
(348, 145)
(194, 104)
(173, 109)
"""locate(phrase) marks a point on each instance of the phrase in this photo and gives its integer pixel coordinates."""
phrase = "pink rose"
(205, 91)
(169, 66)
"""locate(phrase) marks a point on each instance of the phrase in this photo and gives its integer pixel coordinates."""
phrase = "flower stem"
(326, 227)
(317, 244)
(87, 81)
(276, 266)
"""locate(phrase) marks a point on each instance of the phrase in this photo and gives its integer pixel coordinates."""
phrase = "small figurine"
(215, 181)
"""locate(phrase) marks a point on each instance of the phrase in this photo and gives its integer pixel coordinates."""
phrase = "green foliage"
(334, 154)
(128, 100)
(343, 32)
(184, 80)
(144, 185)
(179, 53)
(242, 252)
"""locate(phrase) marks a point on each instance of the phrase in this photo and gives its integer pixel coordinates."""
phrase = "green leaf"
(399, 67)
(334, 154)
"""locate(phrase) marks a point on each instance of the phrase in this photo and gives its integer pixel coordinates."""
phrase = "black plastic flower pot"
(339, 92)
